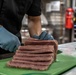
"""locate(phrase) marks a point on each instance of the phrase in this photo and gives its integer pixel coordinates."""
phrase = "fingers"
(1, 45)
(45, 36)
(48, 37)
(42, 35)
(7, 47)
(12, 46)
(35, 36)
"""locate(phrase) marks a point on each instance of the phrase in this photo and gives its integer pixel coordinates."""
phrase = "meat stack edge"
(35, 54)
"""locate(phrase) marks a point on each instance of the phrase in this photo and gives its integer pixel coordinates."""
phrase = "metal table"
(69, 49)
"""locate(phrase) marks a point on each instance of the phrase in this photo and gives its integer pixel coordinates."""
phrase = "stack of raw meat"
(35, 54)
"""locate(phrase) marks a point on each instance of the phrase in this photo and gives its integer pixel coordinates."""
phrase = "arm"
(34, 25)
(8, 41)
(34, 22)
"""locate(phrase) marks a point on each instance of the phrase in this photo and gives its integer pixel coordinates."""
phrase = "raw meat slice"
(28, 66)
(33, 58)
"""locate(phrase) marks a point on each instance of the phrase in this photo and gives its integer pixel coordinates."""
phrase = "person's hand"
(8, 41)
(44, 36)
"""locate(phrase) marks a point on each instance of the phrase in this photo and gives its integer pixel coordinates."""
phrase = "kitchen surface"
(57, 19)
(65, 63)
(69, 49)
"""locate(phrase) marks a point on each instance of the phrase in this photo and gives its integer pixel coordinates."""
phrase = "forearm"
(34, 25)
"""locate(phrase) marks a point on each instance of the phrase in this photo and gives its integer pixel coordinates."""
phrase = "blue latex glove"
(44, 36)
(8, 41)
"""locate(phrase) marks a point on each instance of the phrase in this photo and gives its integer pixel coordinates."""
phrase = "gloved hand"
(8, 41)
(44, 36)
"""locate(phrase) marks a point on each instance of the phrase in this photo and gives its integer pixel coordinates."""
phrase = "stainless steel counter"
(69, 49)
